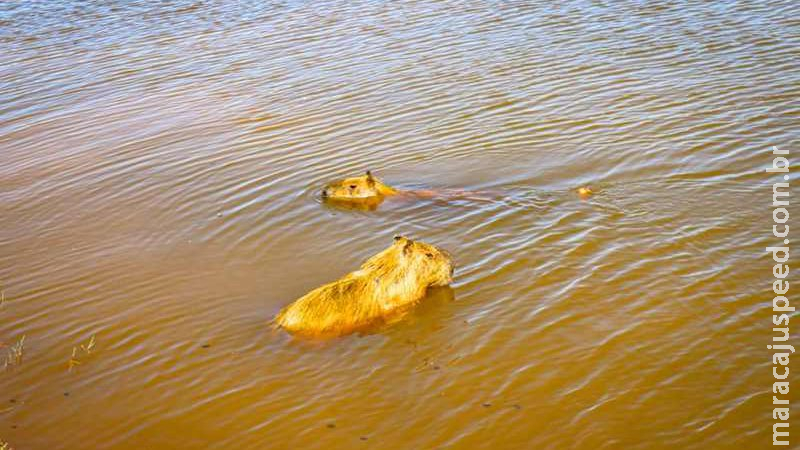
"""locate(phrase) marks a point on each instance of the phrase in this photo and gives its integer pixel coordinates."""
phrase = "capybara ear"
(370, 178)
(407, 247)
(398, 238)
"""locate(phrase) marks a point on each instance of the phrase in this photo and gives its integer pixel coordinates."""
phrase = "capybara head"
(428, 265)
(357, 188)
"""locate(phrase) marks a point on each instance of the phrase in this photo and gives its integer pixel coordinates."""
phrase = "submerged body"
(386, 285)
(369, 191)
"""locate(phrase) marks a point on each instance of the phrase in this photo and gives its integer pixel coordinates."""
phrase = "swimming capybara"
(367, 192)
(387, 284)
(363, 187)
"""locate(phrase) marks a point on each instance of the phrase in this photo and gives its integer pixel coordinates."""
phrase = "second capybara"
(363, 187)
(386, 284)
(370, 191)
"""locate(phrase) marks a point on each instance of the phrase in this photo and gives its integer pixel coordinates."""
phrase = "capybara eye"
(353, 186)
(429, 255)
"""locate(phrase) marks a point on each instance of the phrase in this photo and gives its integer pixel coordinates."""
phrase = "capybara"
(370, 191)
(387, 284)
(367, 192)
(363, 187)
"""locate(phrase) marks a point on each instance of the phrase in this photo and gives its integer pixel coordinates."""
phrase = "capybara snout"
(386, 284)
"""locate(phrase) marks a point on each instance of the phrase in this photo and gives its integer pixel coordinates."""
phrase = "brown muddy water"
(159, 171)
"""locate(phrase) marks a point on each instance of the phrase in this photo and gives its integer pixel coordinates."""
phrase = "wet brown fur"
(387, 284)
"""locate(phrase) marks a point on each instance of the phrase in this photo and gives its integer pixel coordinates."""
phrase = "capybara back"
(387, 283)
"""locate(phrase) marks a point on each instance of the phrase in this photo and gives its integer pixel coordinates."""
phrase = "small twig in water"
(73, 360)
(85, 348)
(14, 357)
(89, 346)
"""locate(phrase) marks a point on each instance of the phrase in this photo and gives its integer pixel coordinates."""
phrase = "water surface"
(158, 171)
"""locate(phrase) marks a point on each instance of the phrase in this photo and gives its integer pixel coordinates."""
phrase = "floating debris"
(86, 349)
(14, 356)
(73, 360)
(89, 346)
